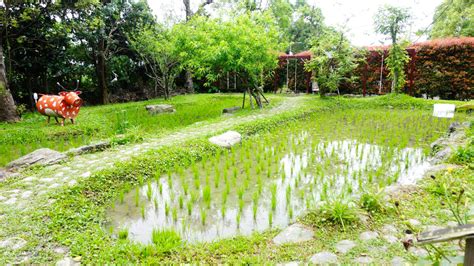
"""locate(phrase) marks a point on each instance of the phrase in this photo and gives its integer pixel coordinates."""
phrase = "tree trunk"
(101, 73)
(189, 82)
(7, 105)
(394, 82)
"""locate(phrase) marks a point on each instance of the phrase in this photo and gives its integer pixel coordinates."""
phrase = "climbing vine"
(396, 61)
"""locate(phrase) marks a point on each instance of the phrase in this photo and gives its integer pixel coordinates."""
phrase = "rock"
(390, 239)
(10, 201)
(368, 235)
(60, 250)
(26, 194)
(398, 261)
(99, 146)
(39, 157)
(160, 108)
(363, 260)
(294, 233)
(86, 174)
(414, 222)
(231, 110)
(323, 258)
(227, 139)
(290, 263)
(13, 243)
(389, 229)
(344, 246)
(419, 252)
(67, 261)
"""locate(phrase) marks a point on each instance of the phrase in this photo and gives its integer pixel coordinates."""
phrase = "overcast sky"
(359, 12)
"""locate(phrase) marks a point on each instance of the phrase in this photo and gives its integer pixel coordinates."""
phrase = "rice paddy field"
(325, 163)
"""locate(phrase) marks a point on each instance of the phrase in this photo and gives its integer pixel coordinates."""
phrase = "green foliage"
(339, 212)
(333, 60)
(453, 18)
(396, 61)
(123, 233)
(372, 202)
(165, 240)
(246, 44)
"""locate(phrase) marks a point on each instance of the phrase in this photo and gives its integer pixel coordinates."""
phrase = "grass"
(75, 220)
(124, 122)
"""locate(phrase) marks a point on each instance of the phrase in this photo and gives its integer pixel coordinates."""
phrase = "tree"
(158, 52)
(392, 21)
(453, 18)
(333, 60)
(308, 25)
(246, 45)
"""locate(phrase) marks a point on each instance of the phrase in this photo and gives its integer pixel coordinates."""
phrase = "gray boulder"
(159, 108)
(231, 110)
(294, 233)
(39, 157)
(99, 146)
(324, 257)
(227, 139)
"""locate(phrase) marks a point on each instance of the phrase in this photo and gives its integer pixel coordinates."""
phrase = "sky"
(359, 13)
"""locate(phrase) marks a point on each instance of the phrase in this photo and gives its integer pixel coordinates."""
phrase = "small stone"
(364, 260)
(60, 250)
(54, 185)
(414, 222)
(26, 194)
(13, 243)
(390, 239)
(452, 224)
(368, 235)
(231, 110)
(294, 233)
(344, 246)
(47, 179)
(67, 261)
(398, 261)
(2, 198)
(419, 252)
(38, 157)
(10, 201)
(324, 257)
(389, 229)
(29, 179)
(72, 183)
(86, 174)
(290, 263)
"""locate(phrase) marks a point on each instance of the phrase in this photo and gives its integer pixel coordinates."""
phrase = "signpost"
(444, 110)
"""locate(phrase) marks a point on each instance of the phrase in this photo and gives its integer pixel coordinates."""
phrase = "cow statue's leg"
(57, 121)
(47, 120)
(72, 121)
(62, 122)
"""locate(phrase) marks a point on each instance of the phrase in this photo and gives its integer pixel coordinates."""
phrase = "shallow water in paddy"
(259, 189)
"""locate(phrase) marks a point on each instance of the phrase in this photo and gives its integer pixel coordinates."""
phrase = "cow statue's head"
(72, 97)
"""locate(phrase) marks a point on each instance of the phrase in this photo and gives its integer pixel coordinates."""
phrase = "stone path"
(20, 193)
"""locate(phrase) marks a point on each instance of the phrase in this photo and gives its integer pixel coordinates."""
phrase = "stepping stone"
(67, 261)
(29, 179)
(419, 252)
(72, 183)
(39, 157)
(364, 260)
(324, 257)
(13, 243)
(226, 140)
(2, 198)
(26, 194)
(389, 229)
(344, 246)
(414, 222)
(398, 261)
(10, 201)
(60, 250)
(294, 233)
(47, 179)
(86, 174)
(390, 239)
(368, 235)
(290, 263)
(54, 185)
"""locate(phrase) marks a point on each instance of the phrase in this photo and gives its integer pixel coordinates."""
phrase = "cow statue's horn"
(35, 96)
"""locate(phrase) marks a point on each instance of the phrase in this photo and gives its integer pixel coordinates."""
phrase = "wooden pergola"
(284, 59)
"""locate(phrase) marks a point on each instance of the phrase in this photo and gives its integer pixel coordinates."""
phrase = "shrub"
(372, 202)
(339, 212)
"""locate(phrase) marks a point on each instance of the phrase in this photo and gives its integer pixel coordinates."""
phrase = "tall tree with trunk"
(392, 22)
(8, 111)
(189, 14)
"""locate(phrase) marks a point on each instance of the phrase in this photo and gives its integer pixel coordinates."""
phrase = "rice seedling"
(123, 233)
(160, 187)
(142, 210)
(165, 240)
(223, 210)
(155, 201)
(121, 197)
(237, 218)
(189, 207)
(241, 205)
(148, 190)
(270, 218)
(288, 195)
(137, 197)
(167, 209)
(206, 195)
(273, 191)
(203, 216)
(181, 201)
(174, 214)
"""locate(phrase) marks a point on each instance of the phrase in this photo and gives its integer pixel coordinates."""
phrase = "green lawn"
(130, 121)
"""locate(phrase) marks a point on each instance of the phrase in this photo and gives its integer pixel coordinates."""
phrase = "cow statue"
(65, 106)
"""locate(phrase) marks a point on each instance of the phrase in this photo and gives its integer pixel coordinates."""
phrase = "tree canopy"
(453, 18)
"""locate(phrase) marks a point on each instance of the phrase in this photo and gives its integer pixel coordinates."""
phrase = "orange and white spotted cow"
(65, 106)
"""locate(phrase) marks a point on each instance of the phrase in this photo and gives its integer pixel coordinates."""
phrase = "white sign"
(444, 110)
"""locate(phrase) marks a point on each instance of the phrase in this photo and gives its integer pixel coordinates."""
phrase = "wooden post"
(469, 252)
(243, 101)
